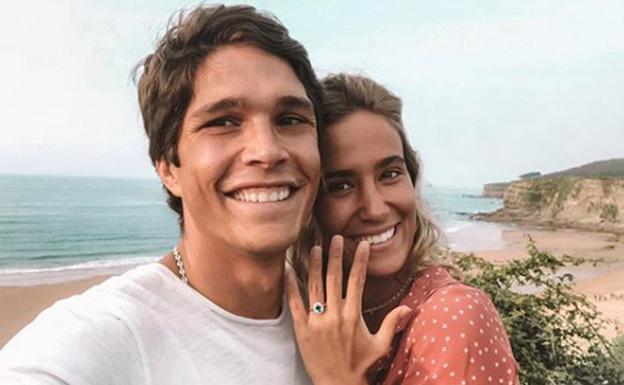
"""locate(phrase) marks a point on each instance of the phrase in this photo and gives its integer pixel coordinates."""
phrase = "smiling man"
(229, 104)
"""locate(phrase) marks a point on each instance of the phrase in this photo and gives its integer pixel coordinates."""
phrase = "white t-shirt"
(147, 327)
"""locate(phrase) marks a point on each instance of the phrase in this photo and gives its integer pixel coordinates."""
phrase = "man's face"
(249, 162)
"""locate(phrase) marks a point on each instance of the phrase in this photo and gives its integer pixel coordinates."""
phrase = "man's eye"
(291, 119)
(221, 122)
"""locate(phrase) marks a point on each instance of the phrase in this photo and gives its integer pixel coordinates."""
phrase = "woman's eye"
(390, 174)
(338, 187)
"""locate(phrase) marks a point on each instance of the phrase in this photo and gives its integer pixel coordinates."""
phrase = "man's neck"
(246, 285)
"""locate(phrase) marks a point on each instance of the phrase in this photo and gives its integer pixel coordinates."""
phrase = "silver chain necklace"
(180, 263)
(395, 297)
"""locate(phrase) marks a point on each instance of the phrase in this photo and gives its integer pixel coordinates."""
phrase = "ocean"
(55, 226)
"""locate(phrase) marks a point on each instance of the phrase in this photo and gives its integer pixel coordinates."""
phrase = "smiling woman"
(371, 207)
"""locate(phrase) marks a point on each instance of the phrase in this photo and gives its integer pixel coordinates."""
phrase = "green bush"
(554, 332)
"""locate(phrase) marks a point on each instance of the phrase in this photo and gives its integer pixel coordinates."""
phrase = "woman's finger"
(334, 273)
(386, 332)
(357, 277)
(315, 276)
(295, 303)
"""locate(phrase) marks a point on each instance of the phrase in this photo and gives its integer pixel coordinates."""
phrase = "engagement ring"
(318, 308)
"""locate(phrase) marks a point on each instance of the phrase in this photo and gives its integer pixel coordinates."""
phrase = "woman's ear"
(169, 176)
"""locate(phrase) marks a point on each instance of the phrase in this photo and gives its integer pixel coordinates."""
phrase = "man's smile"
(262, 194)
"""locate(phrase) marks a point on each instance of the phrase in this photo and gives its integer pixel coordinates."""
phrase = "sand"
(604, 284)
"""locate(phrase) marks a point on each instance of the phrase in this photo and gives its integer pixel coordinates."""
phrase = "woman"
(440, 330)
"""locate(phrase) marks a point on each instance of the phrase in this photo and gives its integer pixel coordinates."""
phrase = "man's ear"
(169, 176)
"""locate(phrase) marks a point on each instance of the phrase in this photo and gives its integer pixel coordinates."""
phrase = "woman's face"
(368, 194)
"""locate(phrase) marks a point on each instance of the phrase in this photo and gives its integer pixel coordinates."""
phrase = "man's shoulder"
(128, 290)
(108, 308)
(95, 333)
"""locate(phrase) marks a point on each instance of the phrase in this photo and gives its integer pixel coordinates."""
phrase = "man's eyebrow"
(289, 101)
(218, 106)
(292, 101)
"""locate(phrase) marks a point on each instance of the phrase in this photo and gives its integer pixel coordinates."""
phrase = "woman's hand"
(336, 345)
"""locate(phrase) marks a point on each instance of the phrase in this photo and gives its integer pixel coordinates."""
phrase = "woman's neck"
(382, 294)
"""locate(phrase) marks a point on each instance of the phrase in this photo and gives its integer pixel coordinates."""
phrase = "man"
(229, 103)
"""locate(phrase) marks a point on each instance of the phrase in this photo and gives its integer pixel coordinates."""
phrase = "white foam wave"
(51, 275)
(454, 227)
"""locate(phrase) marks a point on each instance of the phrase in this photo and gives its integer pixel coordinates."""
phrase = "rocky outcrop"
(494, 190)
(593, 204)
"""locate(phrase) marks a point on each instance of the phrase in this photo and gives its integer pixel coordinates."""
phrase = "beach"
(602, 284)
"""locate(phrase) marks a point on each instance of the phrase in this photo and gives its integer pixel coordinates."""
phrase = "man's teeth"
(262, 195)
(379, 238)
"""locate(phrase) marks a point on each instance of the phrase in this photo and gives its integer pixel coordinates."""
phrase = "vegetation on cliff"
(582, 203)
(612, 168)
(555, 333)
(548, 191)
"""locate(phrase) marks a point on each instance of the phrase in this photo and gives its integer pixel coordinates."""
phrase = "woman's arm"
(336, 346)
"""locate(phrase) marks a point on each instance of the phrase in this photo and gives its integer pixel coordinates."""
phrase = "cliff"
(592, 204)
(494, 190)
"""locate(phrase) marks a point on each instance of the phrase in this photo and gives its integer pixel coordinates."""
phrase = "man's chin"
(270, 241)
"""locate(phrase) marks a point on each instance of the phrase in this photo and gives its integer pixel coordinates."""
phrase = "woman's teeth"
(262, 194)
(379, 238)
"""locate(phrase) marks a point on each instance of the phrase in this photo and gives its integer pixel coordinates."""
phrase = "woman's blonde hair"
(344, 94)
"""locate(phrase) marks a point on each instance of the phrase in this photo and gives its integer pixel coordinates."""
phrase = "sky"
(491, 89)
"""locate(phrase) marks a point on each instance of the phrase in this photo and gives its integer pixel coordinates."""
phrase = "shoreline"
(25, 295)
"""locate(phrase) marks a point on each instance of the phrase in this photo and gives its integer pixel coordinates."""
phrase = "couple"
(235, 119)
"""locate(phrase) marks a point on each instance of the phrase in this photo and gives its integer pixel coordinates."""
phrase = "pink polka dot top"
(454, 337)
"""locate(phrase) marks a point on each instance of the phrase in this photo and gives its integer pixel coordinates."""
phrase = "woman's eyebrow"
(350, 173)
(338, 174)
(389, 160)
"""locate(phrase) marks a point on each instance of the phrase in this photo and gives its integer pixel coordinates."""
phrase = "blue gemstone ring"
(318, 308)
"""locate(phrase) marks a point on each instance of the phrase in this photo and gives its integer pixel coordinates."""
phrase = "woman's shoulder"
(433, 283)
(455, 333)
(440, 298)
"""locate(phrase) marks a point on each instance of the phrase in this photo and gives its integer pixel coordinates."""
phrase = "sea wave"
(51, 275)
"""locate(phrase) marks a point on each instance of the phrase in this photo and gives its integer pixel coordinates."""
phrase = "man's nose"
(373, 206)
(263, 146)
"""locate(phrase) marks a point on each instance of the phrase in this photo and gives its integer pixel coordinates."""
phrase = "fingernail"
(337, 238)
